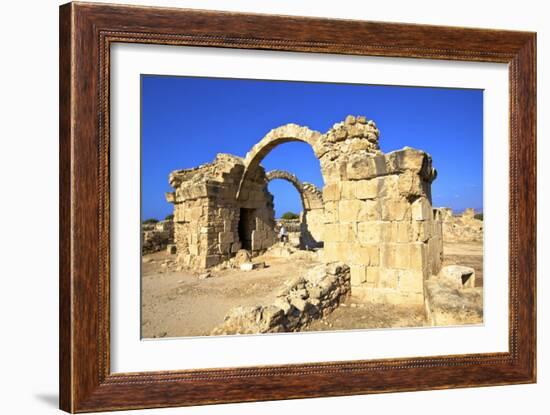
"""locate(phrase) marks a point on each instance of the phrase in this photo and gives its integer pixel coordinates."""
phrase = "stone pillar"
(379, 221)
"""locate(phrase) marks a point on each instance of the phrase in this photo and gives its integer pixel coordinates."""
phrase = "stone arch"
(310, 195)
(311, 220)
(284, 134)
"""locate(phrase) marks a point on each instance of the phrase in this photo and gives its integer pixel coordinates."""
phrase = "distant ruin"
(374, 213)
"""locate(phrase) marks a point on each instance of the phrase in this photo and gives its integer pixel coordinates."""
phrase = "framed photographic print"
(260, 207)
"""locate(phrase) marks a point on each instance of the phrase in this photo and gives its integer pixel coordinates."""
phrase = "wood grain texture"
(86, 33)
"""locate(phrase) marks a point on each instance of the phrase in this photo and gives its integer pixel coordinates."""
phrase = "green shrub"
(149, 221)
(169, 217)
(290, 215)
(479, 216)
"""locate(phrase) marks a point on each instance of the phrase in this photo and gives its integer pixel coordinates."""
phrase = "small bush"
(169, 217)
(290, 215)
(150, 221)
(479, 216)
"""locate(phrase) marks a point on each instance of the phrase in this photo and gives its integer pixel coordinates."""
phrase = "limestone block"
(422, 209)
(365, 255)
(370, 210)
(193, 214)
(235, 247)
(348, 190)
(358, 274)
(388, 186)
(395, 210)
(366, 189)
(387, 255)
(347, 232)
(410, 184)
(406, 159)
(421, 230)
(388, 278)
(226, 237)
(334, 172)
(332, 191)
(373, 275)
(362, 167)
(404, 231)
(331, 232)
(402, 256)
(419, 257)
(411, 281)
(209, 261)
(348, 210)
(224, 248)
(464, 277)
(370, 232)
(331, 251)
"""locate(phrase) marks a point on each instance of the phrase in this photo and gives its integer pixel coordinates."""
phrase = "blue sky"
(186, 121)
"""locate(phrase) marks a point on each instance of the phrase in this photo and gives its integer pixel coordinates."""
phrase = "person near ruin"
(283, 235)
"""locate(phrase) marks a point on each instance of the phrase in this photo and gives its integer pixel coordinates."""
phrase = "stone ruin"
(464, 227)
(157, 236)
(374, 213)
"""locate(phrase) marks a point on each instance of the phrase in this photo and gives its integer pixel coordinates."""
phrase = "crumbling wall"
(302, 300)
(207, 213)
(378, 213)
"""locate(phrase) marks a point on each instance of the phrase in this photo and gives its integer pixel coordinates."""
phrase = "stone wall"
(378, 214)
(207, 215)
(461, 227)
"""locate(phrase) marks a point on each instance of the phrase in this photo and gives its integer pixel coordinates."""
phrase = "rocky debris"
(281, 250)
(464, 277)
(242, 256)
(301, 300)
(447, 305)
(249, 266)
(205, 275)
(463, 227)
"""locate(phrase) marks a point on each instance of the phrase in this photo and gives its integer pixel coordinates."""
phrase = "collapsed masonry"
(374, 214)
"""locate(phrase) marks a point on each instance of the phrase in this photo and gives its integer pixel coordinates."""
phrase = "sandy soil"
(178, 303)
(469, 254)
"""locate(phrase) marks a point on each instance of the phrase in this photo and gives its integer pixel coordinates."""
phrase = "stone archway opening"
(310, 222)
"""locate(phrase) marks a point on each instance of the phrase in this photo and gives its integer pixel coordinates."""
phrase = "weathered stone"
(422, 209)
(249, 266)
(358, 274)
(464, 277)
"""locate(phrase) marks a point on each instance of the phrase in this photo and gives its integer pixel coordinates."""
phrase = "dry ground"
(178, 303)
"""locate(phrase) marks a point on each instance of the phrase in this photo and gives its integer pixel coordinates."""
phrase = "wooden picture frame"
(86, 33)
